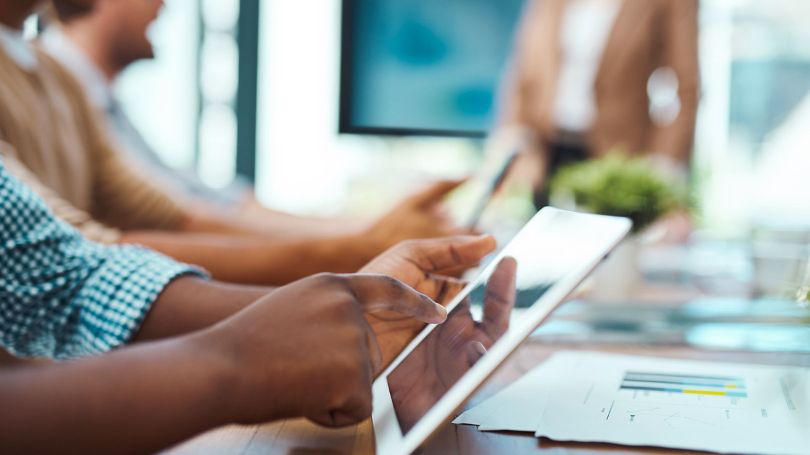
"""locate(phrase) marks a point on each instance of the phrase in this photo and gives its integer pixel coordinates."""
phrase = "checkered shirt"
(62, 296)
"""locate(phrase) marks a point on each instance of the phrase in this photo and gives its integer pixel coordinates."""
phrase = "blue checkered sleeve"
(62, 296)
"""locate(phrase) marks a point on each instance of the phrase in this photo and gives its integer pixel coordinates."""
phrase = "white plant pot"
(618, 278)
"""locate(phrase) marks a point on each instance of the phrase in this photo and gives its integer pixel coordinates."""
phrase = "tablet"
(432, 378)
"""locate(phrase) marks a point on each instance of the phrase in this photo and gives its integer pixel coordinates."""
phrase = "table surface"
(299, 437)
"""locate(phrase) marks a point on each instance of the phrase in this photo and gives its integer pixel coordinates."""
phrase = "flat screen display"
(551, 250)
(430, 67)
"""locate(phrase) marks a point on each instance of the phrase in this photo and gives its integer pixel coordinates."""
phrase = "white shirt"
(586, 28)
(18, 48)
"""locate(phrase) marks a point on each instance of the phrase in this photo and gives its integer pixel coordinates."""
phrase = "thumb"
(379, 293)
(436, 255)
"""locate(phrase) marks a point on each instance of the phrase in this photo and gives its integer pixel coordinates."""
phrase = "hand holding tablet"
(446, 363)
(453, 348)
(421, 265)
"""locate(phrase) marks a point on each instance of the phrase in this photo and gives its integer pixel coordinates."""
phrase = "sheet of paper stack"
(644, 401)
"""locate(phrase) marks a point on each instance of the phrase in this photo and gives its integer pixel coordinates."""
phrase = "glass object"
(803, 294)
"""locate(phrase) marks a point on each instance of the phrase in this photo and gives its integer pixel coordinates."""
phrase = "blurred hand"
(422, 265)
(453, 348)
(306, 350)
(420, 216)
(530, 168)
(530, 164)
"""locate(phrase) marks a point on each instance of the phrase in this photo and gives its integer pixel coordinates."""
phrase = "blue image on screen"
(428, 65)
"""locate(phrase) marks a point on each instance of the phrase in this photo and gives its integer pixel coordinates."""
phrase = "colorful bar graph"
(685, 384)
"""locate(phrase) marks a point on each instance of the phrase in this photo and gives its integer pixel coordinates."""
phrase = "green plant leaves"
(620, 186)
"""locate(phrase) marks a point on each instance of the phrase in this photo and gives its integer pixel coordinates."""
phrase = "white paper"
(515, 408)
(703, 406)
(643, 401)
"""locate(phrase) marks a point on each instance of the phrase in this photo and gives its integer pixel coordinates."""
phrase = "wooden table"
(302, 438)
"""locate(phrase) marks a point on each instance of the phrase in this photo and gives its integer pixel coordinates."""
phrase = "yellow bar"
(703, 392)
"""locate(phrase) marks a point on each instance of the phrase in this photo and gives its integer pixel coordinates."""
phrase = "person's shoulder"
(48, 63)
(57, 71)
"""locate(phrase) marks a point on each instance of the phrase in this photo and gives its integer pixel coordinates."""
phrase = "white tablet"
(429, 382)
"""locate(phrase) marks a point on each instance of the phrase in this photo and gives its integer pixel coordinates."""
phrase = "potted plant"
(620, 186)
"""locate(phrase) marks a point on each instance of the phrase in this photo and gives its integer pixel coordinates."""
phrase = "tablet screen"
(549, 249)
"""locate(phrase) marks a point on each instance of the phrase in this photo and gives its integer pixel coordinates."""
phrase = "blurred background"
(334, 106)
(750, 160)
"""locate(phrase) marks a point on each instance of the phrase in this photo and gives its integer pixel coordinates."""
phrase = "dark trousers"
(560, 155)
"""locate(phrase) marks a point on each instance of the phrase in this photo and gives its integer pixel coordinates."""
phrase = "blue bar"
(697, 392)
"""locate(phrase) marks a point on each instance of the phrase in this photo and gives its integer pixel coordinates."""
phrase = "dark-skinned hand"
(306, 349)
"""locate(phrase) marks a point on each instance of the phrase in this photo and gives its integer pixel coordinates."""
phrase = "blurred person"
(96, 45)
(200, 354)
(48, 125)
(580, 81)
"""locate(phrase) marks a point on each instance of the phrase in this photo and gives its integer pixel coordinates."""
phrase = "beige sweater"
(48, 126)
(647, 35)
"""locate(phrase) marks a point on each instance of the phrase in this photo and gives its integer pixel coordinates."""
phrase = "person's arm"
(237, 252)
(189, 304)
(161, 392)
(64, 297)
(67, 212)
(260, 260)
(303, 351)
(257, 260)
(416, 216)
(125, 197)
(679, 51)
(283, 224)
(235, 258)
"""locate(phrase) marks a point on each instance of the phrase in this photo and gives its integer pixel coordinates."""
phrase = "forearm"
(256, 220)
(137, 400)
(190, 304)
(288, 226)
(252, 260)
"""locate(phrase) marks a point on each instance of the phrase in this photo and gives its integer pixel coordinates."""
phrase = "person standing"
(580, 82)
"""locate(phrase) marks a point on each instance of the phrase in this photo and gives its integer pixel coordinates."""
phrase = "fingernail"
(441, 314)
(479, 348)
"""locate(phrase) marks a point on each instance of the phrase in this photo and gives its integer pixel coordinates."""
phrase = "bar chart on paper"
(685, 384)
(682, 401)
(670, 403)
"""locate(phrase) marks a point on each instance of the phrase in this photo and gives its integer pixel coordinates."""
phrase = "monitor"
(424, 67)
